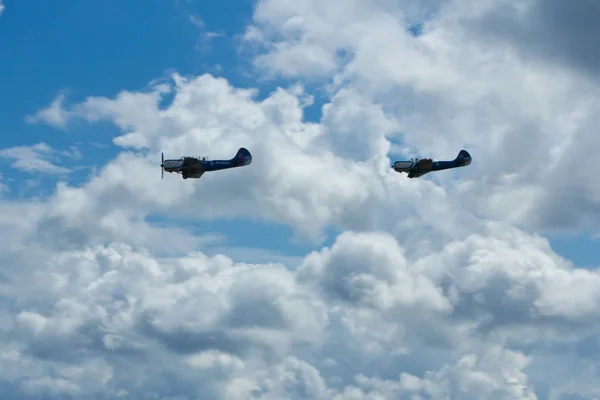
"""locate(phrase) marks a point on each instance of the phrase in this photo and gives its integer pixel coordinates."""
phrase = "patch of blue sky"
(582, 249)
(101, 48)
(416, 29)
(81, 49)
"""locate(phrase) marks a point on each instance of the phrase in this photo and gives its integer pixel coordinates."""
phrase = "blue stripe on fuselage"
(441, 165)
(217, 165)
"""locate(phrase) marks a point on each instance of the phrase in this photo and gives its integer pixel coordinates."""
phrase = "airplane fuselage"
(419, 167)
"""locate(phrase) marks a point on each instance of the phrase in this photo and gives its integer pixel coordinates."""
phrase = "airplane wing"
(424, 164)
(416, 174)
(193, 165)
(422, 167)
(193, 168)
(195, 174)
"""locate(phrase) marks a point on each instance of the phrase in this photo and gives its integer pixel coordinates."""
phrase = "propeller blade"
(162, 165)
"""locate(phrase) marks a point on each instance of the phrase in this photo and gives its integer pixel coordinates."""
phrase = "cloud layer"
(436, 288)
(111, 318)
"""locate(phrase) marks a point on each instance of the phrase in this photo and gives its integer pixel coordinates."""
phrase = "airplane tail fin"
(463, 158)
(243, 157)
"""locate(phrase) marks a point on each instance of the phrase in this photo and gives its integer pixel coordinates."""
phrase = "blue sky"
(101, 47)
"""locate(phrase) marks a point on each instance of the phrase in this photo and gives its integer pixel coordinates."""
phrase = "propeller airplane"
(418, 167)
(195, 167)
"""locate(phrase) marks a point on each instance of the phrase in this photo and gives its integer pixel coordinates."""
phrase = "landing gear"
(185, 175)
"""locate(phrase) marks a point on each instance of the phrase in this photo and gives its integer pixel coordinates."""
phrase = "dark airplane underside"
(191, 174)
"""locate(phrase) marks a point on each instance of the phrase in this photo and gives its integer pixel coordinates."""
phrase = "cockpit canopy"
(202, 158)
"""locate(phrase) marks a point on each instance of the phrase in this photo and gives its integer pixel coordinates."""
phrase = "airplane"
(195, 167)
(418, 167)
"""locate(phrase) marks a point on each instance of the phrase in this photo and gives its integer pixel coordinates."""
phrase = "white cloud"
(420, 296)
(53, 115)
(36, 158)
(497, 374)
(2, 7)
(246, 329)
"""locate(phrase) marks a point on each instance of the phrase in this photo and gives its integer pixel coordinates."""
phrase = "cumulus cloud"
(302, 175)
(113, 319)
(433, 288)
(272, 188)
(497, 373)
